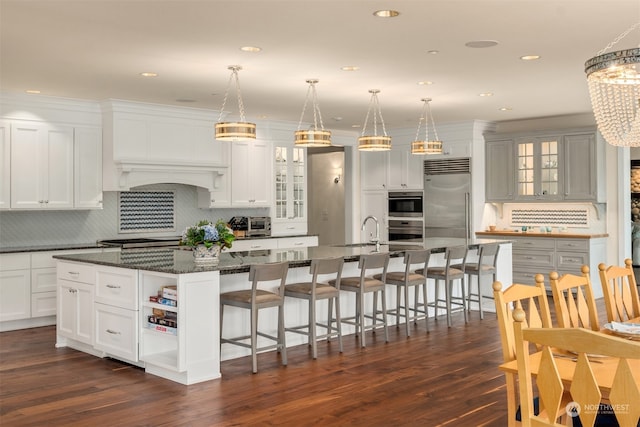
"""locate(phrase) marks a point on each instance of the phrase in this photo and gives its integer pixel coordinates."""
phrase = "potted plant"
(207, 240)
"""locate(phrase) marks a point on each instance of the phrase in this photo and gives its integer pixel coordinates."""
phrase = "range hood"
(147, 144)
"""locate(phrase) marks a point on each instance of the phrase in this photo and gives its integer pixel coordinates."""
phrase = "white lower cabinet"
(75, 311)
(116, 331)
(15, 287)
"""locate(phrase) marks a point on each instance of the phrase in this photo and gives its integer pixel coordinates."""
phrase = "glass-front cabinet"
(290, 207)
(537, 164)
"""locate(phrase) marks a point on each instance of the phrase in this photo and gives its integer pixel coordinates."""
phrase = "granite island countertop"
(532, 233)
(180, 260)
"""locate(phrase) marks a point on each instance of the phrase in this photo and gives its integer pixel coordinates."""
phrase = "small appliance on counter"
(250, 226)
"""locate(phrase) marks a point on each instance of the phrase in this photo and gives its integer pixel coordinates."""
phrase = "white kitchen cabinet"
(5, 165)
(116, 312)
(290, 197)
(254, 244)
(374, 203)
(87, 161)
(297, 242)
(15, 287)
(76, 288)
(405, 170)
(499, 162)
(41, 166)
(251, 174)
(220, 195)
(373, 170)
(43, 290)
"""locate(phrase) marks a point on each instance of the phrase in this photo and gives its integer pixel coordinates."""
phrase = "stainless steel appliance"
(447, 198)
(409, 231)
(141, 242)
(251, 226)
(405, 204)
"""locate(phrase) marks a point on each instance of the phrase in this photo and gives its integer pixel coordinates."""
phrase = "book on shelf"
(161, 328)
(163, 301)
(170, 292)
(163, 321)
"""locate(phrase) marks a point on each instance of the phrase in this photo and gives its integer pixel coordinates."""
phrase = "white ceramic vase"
(204, 255)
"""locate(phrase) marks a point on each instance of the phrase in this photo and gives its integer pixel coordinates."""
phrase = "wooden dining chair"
(620, 292)
(533, 299)
(555, 371)
(573, 300)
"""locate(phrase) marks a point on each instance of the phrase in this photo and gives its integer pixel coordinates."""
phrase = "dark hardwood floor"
(445, 377)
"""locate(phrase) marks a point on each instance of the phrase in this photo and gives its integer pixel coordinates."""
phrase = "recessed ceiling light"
(433, 52)
(425, 82)
(149, 74)
(481, 43)
(505, 109)
(252, 49)
(386, 13)
(337, 119)
(355, 126)
(530, 57)
(32, 91)
(485, 94)
(350, 68)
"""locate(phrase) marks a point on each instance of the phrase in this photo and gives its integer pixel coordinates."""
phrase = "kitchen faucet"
(376, 239)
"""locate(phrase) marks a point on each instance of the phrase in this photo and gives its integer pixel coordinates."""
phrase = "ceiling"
(96, 49)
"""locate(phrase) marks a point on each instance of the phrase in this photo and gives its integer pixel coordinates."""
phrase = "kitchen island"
(104, 302)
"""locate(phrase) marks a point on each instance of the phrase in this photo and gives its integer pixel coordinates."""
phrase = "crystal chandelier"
(313, 137)
(239, 130)
(426, 146)
(374, 142)
(614, 86)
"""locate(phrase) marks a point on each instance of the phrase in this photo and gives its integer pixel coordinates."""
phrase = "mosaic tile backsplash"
(37, 228)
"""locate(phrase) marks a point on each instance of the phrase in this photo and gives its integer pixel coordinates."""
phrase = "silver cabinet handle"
(298, 244)
(256, 246)
(73, 273)
(72, 291)
(112, 332)
(113, 286)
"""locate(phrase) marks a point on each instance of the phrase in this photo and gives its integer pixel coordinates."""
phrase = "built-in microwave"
(405, 204)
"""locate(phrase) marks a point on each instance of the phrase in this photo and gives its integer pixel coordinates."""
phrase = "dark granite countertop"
(180, 260)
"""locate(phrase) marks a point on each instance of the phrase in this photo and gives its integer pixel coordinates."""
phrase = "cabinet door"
(290, 198)
(374, 203)
(499, 171)
(67, 308)
(373, 170)
(537, 165)
(15, 295)
(580, 167)
(117, 331)
(251, 174)
(5, 166)
(41, 166)
(88, 168)
(404, 170)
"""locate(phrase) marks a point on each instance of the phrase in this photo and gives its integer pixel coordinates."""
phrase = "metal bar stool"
(486, 266)
(255, 299)
(402, 280)
(314, 291)
(456, 255)
(362, 285)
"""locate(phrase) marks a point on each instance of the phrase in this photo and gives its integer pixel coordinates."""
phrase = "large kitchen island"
(105, 300)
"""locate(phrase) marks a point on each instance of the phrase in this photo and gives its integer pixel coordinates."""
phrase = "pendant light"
(374, 142)
(426, 146)
(614, 86)
(312, 137)
(239, 130)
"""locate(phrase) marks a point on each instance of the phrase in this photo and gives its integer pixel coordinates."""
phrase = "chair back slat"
(374, 261)
(327, 266)
(620, 292)
(488, 254)
(573, 299)
(268, 273)
(584, 390)
(416, 259)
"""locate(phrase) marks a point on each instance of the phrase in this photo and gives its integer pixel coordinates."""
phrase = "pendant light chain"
(377, 112)
(233, 77)
(317, 115)
(433, 123)
(617, 39)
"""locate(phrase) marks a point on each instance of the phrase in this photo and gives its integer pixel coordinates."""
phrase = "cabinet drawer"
(528, 276)
(578, 245)
(572, 261)
(288, 228)
(254, 244)
(533, 258)
(117, 287)
(527, 244)
(43, 280)
(44, 304)
(297, 242)
(116, 331)
(20, 261)
(76, 272)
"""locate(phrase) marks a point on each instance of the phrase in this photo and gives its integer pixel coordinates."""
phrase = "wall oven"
(405, 204)
(406, 231)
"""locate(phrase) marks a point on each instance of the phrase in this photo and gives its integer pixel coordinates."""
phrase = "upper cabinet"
(41, 166)
(290, 198)
(405, 170)
(373, 170)
(87, 159)
(5, 166)
(544, 167)
(251, 173)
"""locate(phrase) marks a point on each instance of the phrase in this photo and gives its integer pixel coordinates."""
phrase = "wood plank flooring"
(444, 377)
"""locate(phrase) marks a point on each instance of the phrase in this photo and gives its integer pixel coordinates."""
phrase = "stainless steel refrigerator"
(447, 198)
